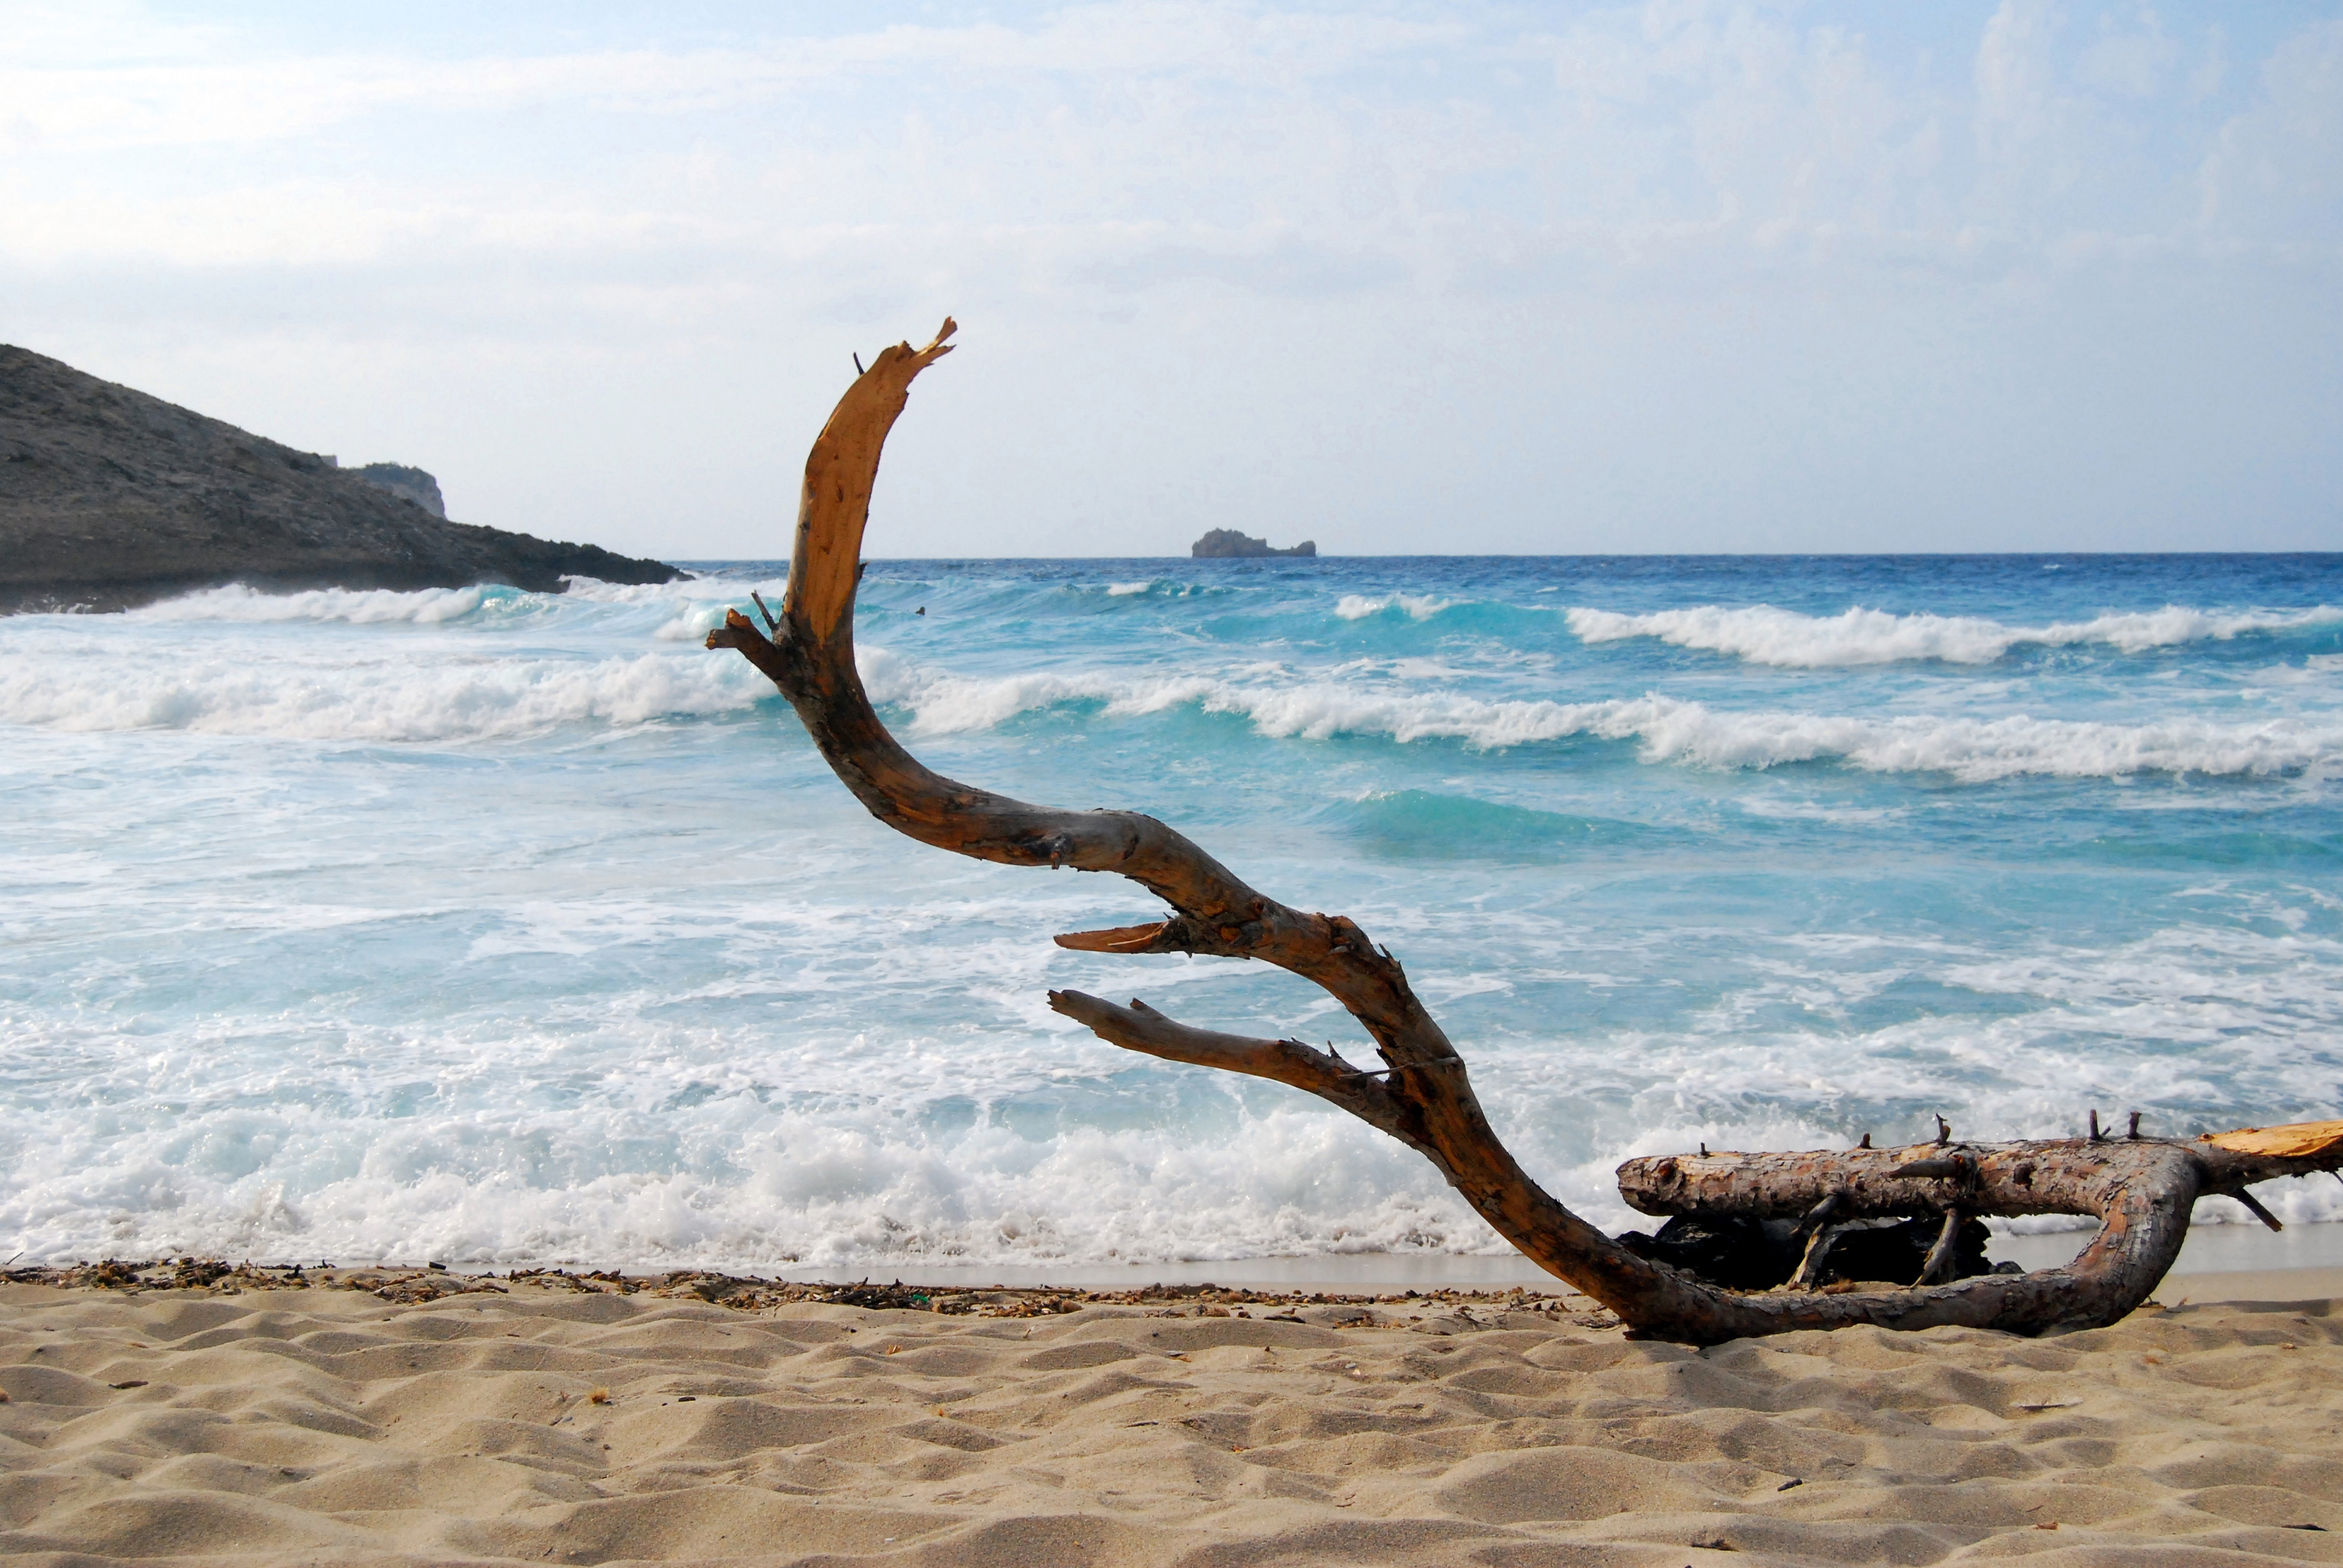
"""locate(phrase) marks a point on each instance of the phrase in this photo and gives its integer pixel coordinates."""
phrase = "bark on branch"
(1422, 1095)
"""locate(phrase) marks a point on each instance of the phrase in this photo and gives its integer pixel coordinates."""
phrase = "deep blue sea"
(505, 927)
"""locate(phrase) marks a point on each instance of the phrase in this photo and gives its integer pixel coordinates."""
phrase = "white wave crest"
(356, 607)
(1671, 731)
(692, 606)
(88, 682)
(853, 1170)
(843, 1190)
(1975, 749)
(1124, 590)
(1419, 606)
(375, 702)
(1763, 634)
(594, 590)
(944, 704)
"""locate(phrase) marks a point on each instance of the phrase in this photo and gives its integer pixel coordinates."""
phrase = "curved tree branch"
(1423, 1096)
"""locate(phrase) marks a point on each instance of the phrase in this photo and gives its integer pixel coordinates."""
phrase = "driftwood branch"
(1423, 1095)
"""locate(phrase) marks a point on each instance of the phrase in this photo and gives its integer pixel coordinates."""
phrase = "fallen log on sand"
(2140, 1189)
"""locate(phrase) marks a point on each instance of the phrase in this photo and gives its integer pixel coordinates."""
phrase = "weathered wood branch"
(1423, 1095)
(2071, 1176)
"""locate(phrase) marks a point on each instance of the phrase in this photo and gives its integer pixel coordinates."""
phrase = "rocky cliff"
(1226, 543)
(414, 484)
(111, 498)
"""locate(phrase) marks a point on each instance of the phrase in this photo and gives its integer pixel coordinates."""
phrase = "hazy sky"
(1528, 278)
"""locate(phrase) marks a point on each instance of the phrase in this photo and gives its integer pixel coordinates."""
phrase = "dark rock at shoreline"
(1225, 544)
(110, 498)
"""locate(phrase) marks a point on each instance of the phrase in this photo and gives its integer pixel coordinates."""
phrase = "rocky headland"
(1227, 544)
(110, 498)
(417, 485)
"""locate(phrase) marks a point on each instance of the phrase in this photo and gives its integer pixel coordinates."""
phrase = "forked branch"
(1423, 1095)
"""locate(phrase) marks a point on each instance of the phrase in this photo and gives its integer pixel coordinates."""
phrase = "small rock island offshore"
(1222, 544)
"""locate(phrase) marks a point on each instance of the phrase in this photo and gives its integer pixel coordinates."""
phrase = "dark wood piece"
(1940, 1256)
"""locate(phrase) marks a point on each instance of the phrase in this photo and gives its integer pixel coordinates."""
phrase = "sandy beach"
(414, 1417)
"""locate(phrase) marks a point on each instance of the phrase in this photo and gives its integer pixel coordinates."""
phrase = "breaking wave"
(1764, 635)
(613, 989)
(387, 702)
(91, 685)
(236, 603)
(1416, 607)
(354, 606)
(1669, 730)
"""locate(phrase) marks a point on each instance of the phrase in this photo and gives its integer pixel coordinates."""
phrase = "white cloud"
(2134, 61)
(215, 91)
(1663, 122)
(2275, 172)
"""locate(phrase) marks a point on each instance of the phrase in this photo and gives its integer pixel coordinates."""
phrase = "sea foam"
(309, 693)
(1416, 607)
(388, 701)
(354, 607)
(1762, 634)
(1668, 729)
(548, 952)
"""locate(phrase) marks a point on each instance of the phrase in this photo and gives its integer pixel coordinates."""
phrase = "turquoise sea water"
(503, 928)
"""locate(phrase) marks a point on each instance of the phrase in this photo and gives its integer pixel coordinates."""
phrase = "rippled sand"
(524, 1424)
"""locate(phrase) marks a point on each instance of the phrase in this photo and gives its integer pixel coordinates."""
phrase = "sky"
(1536, 279)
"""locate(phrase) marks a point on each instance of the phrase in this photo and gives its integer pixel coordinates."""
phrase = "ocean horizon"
(508, 929)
